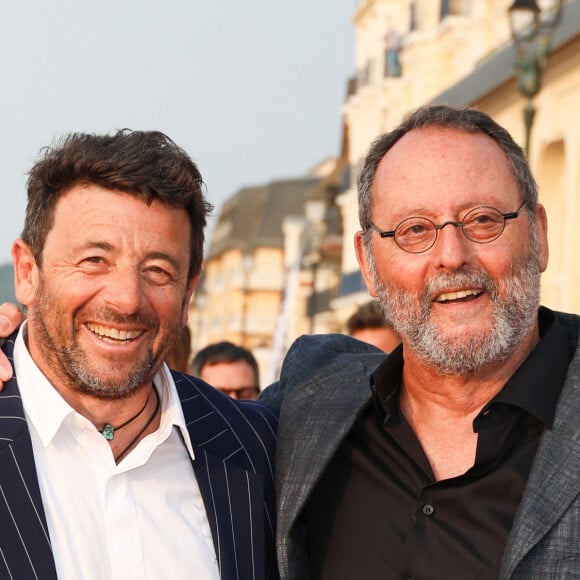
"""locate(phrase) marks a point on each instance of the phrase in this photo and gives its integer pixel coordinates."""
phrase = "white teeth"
(113, 333)
(457, 295)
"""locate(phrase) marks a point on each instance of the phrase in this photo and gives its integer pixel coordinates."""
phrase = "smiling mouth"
(113, 335)
(459, 296)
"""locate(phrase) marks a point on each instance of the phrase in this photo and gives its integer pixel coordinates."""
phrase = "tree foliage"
(7, 283)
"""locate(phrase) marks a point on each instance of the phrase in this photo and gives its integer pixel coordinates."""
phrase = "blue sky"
(252, 90)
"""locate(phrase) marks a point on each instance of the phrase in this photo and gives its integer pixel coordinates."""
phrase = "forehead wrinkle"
(97, 244)
(436, 214)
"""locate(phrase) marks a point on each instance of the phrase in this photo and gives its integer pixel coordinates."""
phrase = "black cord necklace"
(136, 438)
(108, 431)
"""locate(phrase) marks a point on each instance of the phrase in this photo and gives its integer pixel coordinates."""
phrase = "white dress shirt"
(141, 519)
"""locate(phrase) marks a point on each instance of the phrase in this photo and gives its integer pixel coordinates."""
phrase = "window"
(412, 16)
(455, 8)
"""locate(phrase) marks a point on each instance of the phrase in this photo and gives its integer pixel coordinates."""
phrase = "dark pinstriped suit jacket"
(233, 442)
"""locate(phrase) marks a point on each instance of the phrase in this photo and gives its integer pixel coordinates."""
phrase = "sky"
(251, 89)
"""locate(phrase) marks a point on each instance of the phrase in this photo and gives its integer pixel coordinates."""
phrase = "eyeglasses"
(481, 225)
(250, 392)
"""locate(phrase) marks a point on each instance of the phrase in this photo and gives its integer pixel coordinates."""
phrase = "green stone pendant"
(108, 431)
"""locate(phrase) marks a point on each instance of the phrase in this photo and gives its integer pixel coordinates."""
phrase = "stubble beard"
(515, 302)
(69, 361)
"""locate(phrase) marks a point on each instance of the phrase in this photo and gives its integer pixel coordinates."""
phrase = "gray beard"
(515, 298)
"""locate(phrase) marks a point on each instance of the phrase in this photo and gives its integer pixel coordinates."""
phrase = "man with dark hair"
(165, 475)
(231, 369)
(147, 165)
(457, 455)
(367, 323)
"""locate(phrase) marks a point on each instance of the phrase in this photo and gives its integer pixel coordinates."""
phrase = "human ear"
(541, 226)
(26, 274)
(364, 262)
(192, 285)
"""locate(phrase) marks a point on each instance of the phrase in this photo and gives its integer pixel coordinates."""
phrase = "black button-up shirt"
(378, 512)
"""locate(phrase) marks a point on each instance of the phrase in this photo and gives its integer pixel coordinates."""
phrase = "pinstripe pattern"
(24, 539)
(4, 561)
(236, 476)
(233, 444)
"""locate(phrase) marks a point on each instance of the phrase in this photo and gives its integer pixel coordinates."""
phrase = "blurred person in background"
(368, 324)
(231, 369)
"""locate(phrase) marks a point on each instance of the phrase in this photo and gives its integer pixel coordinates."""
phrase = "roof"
(253, 216)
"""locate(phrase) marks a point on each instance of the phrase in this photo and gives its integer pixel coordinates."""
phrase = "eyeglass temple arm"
(390, 234)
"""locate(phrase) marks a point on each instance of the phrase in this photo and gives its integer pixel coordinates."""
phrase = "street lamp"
(532, 30)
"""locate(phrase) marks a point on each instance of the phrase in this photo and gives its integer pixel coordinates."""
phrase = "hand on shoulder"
(10, 318)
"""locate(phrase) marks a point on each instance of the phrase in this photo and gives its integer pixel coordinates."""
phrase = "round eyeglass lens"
(415, 234)
(483, 224)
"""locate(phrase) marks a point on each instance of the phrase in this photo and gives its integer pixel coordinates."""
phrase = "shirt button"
(428, 509)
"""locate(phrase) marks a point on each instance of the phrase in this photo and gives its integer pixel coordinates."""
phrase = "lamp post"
(532, 30)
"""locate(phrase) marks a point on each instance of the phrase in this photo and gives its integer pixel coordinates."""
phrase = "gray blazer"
(323, 386)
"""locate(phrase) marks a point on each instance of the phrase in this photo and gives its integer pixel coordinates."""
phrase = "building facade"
(460, 53)
(266, 253)
(281, 261)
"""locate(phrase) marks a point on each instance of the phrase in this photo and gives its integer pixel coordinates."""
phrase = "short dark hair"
(224, 352)
(146, 164)
(463, 119)
(367, 315)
